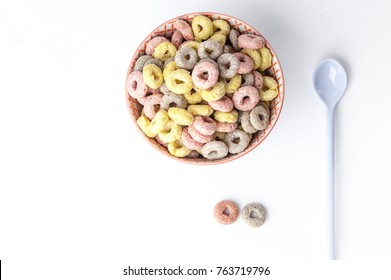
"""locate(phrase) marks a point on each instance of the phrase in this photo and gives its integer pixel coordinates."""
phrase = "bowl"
(165, 30)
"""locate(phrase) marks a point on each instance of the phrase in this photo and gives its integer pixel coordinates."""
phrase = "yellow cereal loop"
(221, 26)
(178, 150)
(214, 93)
(171, 66)
(255, 56)
(220, 136)
(230, 117)
(269, 89)
(200, 110)
(220, 38)
(180, 116)
(164, 51)
(193, 97)
(194, 44)
(159, 121)
(265, 104)
(233, 84)
(202, 28)
(266, 59)
(152, 76)
(172, 132)
(144, 123)
(179, 81)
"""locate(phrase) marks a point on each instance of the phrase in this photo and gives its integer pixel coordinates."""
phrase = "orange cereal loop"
(226, 212)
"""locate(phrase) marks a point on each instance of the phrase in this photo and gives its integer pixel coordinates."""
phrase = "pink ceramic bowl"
(166, 30)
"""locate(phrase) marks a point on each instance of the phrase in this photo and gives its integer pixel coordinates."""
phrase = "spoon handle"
(330, 184)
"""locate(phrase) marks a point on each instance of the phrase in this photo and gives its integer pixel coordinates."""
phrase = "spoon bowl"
(330, 81)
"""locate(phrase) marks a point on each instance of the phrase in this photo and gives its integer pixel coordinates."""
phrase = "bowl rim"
(189, 160)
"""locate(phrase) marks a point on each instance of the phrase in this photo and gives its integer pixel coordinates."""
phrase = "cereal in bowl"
(205, 91)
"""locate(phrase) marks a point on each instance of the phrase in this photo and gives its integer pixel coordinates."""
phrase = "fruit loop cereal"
(254, 214)
(204, 92)
(226, 212)
(202, 28)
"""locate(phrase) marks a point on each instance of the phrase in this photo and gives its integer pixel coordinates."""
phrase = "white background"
(81, 191)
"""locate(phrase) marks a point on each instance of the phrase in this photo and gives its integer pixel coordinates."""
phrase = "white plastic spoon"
(330, 83)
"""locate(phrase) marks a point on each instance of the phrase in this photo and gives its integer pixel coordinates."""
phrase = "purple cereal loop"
(259, 117)
(186, 58)
(235, 147)
(193, 154)
(210, 49)
(228, 65)
(169, 99)
(228, 49)
(155, 61)
(150, 47)
(246, 123)
(214, 150)
(141, 61)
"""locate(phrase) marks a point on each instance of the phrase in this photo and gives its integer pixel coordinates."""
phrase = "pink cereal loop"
(153, 43)
(204, 125)
(176, 38)
(224, 104)
(246, 64)
(150, 91)
(189, 142)
(225, 127)
(183, 27)
(245, 98)
(250, 41)
(199, 137)
(258, 80)
(149, 105)
(202, 80)
(135, 85)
